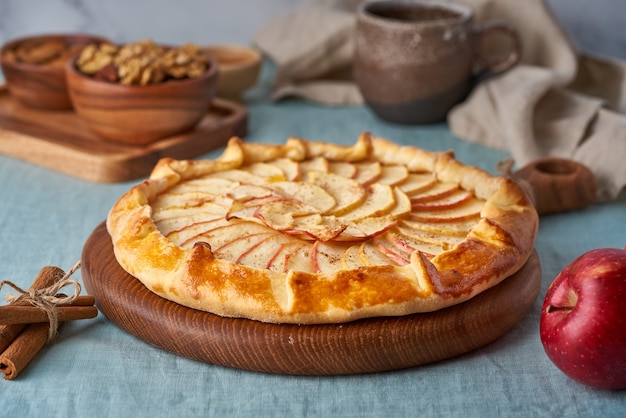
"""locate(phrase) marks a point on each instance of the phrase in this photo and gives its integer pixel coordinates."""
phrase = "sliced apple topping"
(366, 228)
(370, 255)
(402, 246)
(238, 246)
(212, 185)
(194, 231)
(394, 254)
(240, 176)
(326, 256)
(444, 241)
(184, 200)
(315, 227)
(307, 193)
(296, 218)
(380, 201)
(277, 261)
(222, 235)
(404, 241)
(402, 207)
(393, 174)
(268, 171)
(347, 193)
(417, 182)
(468, 210)
(367, 172)
(445, 202)
(314, 164)
(299, 259)
(173, 224)
(437, 191)
(289, 168)
(317, 215)
(246, 209)
(264, 250)
(351, 259)
(206, 210)
(458, 229)
(343, 169)
(280, 214)
(245, 192)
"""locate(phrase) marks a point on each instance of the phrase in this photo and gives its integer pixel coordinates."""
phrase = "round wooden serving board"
(364, 346)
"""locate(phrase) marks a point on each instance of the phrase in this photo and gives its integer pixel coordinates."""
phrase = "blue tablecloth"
(93, 368)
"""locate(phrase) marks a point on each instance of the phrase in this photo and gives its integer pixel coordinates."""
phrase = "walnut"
(93, 58)
(143, 62)
(146, 50)
(139, 70)
(53, 52)
(107, 73)
(188, 61)
(40, 52)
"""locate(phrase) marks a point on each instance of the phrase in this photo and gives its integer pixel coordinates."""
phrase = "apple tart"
(309, 232)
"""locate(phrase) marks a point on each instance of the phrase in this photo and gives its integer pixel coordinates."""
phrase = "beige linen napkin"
(557, 102)
(311, 47)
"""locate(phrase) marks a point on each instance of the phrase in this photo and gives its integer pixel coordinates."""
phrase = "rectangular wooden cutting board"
(60, 141)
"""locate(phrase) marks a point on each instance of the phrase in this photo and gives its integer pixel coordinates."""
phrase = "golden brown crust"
(210, 234)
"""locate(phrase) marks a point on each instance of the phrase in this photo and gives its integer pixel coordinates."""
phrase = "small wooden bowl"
(239, 69)
(139, 115)
(558, 184)
(41, 85)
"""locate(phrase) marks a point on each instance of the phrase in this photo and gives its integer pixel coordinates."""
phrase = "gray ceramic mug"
(414, 60)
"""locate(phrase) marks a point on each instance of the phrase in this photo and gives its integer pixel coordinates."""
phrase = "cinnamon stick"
(23, 349)
(81, 308)
(45, 278)
(25, 341)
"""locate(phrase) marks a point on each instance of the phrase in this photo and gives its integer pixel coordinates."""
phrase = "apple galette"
(311, 232)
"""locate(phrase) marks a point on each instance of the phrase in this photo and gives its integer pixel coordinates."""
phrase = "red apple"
(583, 320)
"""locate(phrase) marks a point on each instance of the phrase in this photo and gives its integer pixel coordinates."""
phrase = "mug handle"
(489, 66)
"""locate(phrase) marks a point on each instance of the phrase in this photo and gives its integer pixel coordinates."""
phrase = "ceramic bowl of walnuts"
(141, 92)
(34, 68)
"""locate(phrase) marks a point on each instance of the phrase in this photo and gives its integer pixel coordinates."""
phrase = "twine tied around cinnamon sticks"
(47, 299)
(32, 318)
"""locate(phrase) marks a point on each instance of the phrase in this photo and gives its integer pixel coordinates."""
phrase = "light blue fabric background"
(95, 369)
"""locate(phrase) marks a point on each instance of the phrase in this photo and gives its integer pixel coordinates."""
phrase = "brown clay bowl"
(558, 184)
(39, 81)
(239, 69)
(139, 115)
